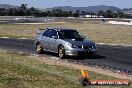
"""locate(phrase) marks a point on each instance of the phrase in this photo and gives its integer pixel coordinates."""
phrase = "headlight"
(72, 45)
(94, 46)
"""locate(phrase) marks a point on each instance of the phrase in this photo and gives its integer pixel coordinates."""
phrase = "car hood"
(80, 42)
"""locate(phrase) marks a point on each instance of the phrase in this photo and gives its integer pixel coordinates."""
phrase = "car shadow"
(50, 53)
(86, 57)
(77, 57)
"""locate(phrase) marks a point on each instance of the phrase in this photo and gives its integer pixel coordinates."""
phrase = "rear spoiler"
(39, 31)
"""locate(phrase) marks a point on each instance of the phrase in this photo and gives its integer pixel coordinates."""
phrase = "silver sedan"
(64, 42)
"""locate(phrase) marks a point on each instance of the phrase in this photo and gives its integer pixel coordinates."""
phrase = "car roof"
(61, 29)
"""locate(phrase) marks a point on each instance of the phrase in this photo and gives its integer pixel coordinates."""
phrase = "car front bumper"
(80, 52)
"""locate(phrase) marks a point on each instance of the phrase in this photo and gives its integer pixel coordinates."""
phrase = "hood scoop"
(77, 39)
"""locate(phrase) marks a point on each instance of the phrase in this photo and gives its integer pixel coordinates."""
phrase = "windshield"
(69, 34)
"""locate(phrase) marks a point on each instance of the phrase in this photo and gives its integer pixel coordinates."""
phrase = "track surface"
(114, 57)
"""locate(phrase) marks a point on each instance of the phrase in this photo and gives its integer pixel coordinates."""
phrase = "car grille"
(87, 47)
(79, 46)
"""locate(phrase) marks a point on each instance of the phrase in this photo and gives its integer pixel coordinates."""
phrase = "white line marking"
(96, 43)
(22, 38)
(54, 58)
(101, 43)
(113, 44)
(5, 37)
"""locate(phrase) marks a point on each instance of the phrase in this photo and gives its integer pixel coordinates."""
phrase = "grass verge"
(22, 71)
(98, 32)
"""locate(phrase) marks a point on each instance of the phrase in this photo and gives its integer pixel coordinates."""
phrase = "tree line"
(23, 10)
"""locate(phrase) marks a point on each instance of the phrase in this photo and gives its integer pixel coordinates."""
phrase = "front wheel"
(39, 48)
(61, 52)
(92, 54)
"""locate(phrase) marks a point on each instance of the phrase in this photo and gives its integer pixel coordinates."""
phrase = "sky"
(75, 3)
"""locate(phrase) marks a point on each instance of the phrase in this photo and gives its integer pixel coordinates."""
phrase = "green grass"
(98, 32)
(22, 71)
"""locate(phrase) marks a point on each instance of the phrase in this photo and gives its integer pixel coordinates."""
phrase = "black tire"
(61, 52)
(39, 48)
(91, 55)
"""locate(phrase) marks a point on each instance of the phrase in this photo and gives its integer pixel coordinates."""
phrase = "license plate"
(86, 51)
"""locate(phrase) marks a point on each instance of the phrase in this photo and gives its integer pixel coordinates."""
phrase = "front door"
(53, 41)
(46, 39)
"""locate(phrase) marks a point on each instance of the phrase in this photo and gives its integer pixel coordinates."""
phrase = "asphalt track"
(117, 58)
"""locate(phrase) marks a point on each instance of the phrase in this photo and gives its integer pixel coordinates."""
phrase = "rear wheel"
(39, 48)
(61, 51)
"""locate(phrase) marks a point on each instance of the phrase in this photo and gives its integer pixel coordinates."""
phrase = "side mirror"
(55, 37)
(83, 36)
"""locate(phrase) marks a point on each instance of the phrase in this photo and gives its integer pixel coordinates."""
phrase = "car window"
(69, 34)
(47, 33)
(53, 33)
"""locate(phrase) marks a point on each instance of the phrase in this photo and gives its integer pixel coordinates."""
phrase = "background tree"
(23, 10)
